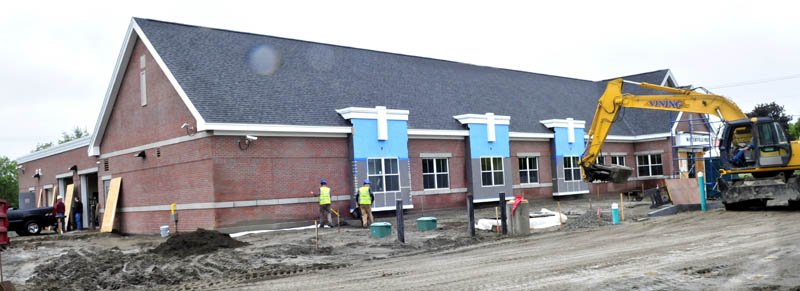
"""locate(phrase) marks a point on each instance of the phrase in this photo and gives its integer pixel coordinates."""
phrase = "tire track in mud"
(695, 250)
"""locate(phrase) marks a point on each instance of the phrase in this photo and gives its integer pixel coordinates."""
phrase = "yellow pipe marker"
(172, 208)
(621, 206)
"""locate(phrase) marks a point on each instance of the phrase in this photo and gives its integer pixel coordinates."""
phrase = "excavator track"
(740, 194)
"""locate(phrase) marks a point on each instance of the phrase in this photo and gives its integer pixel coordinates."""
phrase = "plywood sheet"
(40, 198)
(111, 205)
(54, 196)
(68, 202)
(683, 191)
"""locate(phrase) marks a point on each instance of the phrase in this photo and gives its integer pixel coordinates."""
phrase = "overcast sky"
(56, 58)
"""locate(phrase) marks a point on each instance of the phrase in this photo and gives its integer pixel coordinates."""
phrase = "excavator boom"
(613, 100)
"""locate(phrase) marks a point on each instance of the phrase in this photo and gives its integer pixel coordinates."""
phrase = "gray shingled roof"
(313, 80)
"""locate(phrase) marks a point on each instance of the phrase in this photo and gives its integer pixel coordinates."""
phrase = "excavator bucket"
(608, 173)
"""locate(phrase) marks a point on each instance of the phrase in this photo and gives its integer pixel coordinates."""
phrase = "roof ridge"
(639, 74)
(361, 49)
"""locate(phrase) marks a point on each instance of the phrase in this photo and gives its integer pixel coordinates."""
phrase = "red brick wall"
(457, 163)
(131, 124)
(278, 167)
(151, 221)
(54, 165)
(439, 201)
(545, 165)
(630, 161)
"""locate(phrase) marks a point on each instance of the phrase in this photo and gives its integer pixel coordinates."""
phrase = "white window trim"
(436, 173)
(383, 174)
(143, 87)
(574, 166)
(491, 163)
(650, 165)
(528, 171)
(624, 157)
(597, 159)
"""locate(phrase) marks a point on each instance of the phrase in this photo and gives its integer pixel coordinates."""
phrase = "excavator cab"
(754, 143)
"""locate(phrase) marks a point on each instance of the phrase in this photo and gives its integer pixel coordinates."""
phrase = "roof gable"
(133, 35)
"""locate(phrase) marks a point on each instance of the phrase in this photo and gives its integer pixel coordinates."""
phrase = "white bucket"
(164, 230)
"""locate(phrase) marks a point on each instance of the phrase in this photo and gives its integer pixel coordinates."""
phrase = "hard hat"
(60, 197)
(366, 181)
(323, 182)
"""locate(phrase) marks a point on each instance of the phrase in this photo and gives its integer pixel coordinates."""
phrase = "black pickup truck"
(30, 221)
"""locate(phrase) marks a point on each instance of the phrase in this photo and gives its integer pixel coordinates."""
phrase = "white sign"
(692, 140)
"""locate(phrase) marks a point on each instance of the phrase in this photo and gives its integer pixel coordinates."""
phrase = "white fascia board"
(65, 147)
(437, 134)
(551, 123)
(483, 119)
(531, 136)
(668, 76)
(636, 138)
(277, 130)
(113, 88)
(134, 33)
(371, 113)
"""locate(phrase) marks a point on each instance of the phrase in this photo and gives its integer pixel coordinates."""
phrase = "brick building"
(184, 103)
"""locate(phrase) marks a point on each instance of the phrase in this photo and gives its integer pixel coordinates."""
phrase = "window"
(618, 160)
(572, 169)
(601, 160)
(650, 165)
(492, 171)
(383, 175)
(143, 88)
(529, 170)
(434, 174)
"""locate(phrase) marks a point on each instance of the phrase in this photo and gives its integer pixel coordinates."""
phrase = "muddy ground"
(687, 251)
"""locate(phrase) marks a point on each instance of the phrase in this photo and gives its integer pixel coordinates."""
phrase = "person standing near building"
(77, 209)
(324, 204)
(58, 210)
(365, 199)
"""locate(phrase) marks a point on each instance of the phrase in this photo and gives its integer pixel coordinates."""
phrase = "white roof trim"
(134, 33)
(668, 76)
(636, 138)
(267, 129)
(550, 123)
(437, 133)
(529, 136)
(372, 113)
(483, 118)
(65, 147)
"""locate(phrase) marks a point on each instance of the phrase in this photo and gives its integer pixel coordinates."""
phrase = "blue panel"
(480, 146)
(562, 145)
(366, 143)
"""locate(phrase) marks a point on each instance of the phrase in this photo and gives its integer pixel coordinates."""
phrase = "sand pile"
(197, 242)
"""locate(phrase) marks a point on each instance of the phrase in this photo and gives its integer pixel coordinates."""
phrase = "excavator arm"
(613, 100)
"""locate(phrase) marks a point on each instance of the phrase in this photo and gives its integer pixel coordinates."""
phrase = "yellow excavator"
(758, 146)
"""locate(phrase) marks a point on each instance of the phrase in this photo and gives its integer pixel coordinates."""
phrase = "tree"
(41, 146)
(76, 133)
(9, 182)
(772, 110)
(794, 129)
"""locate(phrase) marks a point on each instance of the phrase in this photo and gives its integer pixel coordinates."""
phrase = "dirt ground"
(757, 250)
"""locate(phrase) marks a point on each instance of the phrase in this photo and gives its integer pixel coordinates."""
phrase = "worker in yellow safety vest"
(365, 199)
(324, 204)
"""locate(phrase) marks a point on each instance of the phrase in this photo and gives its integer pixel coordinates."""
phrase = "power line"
(756, 81)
